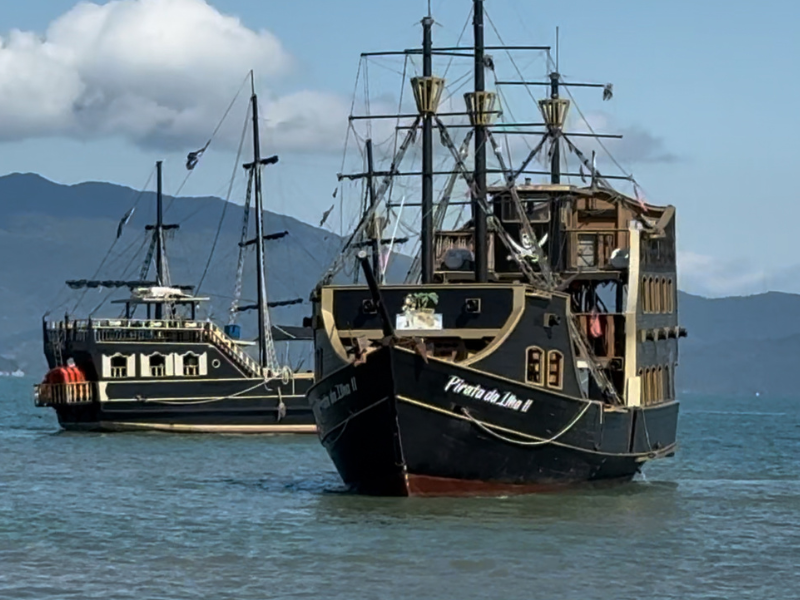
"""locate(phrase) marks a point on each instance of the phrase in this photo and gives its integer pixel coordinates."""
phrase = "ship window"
(660, 385)
(648, 386)
(670, 297)
(670, 382)
(191, 365)
(646, 294)
(642, 386)
(535, 366)
(587, 250)
(555, 367)
(508, 210)
(653, 294)
(158, 365)
(119, 366)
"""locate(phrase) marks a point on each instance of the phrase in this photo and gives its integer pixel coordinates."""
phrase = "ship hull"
(402, 425)
(221, 393)
(159, 406)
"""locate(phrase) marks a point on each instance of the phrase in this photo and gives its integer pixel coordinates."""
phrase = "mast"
(375, 242)
(159, 236)
(479, 177)
(262, 291)
(555, 178)
(159, 229)
(426, 249)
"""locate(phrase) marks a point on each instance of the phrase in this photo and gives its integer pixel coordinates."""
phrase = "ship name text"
(339, 391)
(508, 400)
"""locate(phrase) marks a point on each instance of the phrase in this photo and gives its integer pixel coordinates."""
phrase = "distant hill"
(740, 345)
(50, 233)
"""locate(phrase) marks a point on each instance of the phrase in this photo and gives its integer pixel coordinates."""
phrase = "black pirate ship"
(157, 366)
(532, 348)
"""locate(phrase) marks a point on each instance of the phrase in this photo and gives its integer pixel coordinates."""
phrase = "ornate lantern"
(481, 107)
(427, 93)
(554, 111)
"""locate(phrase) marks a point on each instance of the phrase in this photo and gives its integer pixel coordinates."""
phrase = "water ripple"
(184, 516)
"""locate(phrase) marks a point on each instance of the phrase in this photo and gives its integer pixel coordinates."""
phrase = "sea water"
(154, 515)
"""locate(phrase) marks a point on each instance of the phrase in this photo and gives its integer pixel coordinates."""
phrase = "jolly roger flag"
(193, 157)
(124, 221)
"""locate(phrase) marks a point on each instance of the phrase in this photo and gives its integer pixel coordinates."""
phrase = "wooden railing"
(61, 394)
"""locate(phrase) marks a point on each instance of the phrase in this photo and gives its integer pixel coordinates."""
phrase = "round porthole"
(215, 363)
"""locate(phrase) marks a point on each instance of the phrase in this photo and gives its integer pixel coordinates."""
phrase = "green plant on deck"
(421, 301)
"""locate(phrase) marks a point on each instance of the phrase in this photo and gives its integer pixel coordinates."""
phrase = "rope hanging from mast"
(237, 292)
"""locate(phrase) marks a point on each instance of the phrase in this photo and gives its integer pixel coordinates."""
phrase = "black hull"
(393, 427)
(258, 412)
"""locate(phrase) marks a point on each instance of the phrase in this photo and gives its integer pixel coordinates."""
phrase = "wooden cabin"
(616, 258)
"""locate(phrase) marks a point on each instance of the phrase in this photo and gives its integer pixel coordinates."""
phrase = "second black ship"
(158, 366)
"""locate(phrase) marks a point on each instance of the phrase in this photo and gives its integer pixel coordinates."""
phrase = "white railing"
(161, 330)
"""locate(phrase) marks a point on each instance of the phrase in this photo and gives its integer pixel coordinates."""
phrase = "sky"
(705, 94)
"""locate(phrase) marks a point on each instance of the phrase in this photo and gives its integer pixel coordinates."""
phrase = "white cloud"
(710, 276)
(636, 146)
(158, 72)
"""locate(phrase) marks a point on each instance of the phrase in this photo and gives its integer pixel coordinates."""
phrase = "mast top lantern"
(427, 93)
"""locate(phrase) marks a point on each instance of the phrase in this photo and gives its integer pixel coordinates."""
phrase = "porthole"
(215, 363)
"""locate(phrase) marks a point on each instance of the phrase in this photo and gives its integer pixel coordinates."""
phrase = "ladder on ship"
(238, 356)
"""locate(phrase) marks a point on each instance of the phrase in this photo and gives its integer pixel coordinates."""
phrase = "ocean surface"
(167, 516)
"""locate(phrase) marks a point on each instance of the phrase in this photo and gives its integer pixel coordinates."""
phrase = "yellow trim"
(182, 379)
(559, 372)
(428, 333)
(193, 399)
(519, 291)
(525, 435)
(174, 427)
(156, 342)
(542, 365)
(329, 323)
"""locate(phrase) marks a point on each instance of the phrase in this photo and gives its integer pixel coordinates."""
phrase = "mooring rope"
(537, 442)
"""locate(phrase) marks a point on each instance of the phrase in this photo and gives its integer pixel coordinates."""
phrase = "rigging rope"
(237, 291)
(225, 204)
(116, 239)
(213, 135)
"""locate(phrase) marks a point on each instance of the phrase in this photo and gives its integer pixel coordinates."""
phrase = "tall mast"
(159, 229)
(375, 242)
(555, 178)
(479, 177)
(426, 249)
(262, 291)
(159, 235)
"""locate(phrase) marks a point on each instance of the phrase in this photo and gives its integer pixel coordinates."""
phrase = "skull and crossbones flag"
(193, 157)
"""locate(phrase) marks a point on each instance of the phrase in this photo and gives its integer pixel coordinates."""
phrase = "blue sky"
(710, 85)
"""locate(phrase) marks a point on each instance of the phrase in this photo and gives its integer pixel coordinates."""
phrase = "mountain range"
(50, 233)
